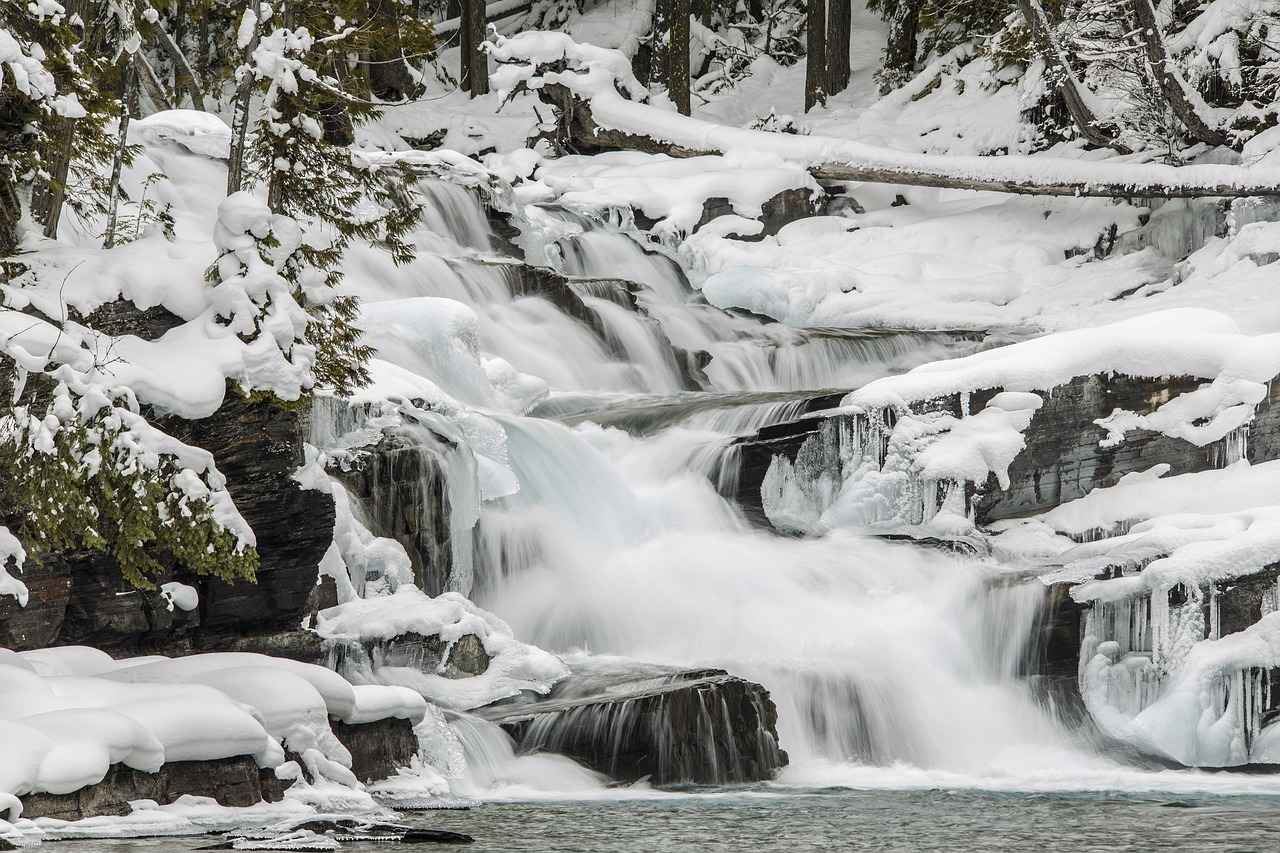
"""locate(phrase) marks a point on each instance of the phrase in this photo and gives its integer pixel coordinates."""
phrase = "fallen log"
(586, 84)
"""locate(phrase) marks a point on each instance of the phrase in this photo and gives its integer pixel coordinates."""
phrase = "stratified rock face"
(1063, 461)
(231, 781)
(1052, 658)
(378, 749)
(258, 447)
(704, 727)
(79, 597)
(402, 484)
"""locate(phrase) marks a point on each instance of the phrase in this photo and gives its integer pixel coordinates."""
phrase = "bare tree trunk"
(900, 47)
(1055, 58)
(474, 61)
(150, 82)
(1172, 86)
(189, 78)
(240, 118)
(660, 42)
(815, 78)
(128, 82)
(464, 46)
(839, 31)
(678, 56)
(995, 174)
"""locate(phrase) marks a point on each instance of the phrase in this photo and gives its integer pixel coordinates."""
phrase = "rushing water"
(893, 667)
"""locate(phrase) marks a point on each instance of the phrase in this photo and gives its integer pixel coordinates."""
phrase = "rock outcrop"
(701, 727)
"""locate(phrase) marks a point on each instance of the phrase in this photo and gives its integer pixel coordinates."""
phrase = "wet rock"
(231, 781)
(463, 658)
(1244, 600)
(1051, 662)
(756, 453)
(402, 484)
(702, 727)
(378, 749)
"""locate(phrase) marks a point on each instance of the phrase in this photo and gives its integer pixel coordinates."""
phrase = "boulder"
(701, 727)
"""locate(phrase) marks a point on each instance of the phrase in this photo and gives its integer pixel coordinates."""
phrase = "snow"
(69, 713)
(604, 78)
(513, 666)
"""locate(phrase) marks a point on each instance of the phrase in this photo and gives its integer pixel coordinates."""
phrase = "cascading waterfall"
(620, 542)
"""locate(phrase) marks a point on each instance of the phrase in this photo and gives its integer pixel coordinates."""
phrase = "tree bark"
(901, 45)
(1170, 83)
(474, 62)
(1055, 58)
(677, 72)
(839, 31)
(240, 118)
(182, 68)
(815, 77)
(128, 82)
(151, 83)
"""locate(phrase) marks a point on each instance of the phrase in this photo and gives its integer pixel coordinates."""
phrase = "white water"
(891, 666)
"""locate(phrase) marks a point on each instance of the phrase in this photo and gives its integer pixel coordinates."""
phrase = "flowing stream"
(892, 666)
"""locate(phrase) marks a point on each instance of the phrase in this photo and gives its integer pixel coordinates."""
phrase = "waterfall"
(623, 543)
(874, 652)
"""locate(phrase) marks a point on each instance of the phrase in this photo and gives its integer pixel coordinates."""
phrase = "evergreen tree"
(300, 151)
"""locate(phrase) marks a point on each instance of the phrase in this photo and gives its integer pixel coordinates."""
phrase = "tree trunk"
(1175, 90)
(660, 43)
(1055, 57)
(240, 118)
(183, 71)
(151, 83)
(839, 31)
(474, 62)
(464, 46)
(678, 56)
(389, 76)
(128, 82)
(1041, 177)
(900, 47)
(815, 77)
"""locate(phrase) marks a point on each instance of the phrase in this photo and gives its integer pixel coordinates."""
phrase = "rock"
(402, 484)
(755, 455)
(258, 447)
(1241, 600)
(379, 748)
(231, 781)
(463, 658)
(1062, 460)
(702, 727)
(1051, 661)
(122, 317)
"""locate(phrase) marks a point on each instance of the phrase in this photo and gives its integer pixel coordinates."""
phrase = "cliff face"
(79, 597)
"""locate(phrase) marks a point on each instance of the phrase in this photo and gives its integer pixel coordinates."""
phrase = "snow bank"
(604, 78)
(513, 666)
(67, 714)
(670, 190)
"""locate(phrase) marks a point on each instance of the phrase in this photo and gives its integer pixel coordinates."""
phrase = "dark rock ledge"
(378, 749)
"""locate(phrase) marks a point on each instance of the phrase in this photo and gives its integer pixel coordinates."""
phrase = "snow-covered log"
(590, 87)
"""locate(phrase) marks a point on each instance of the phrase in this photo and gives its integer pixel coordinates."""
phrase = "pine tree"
(300, 151)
